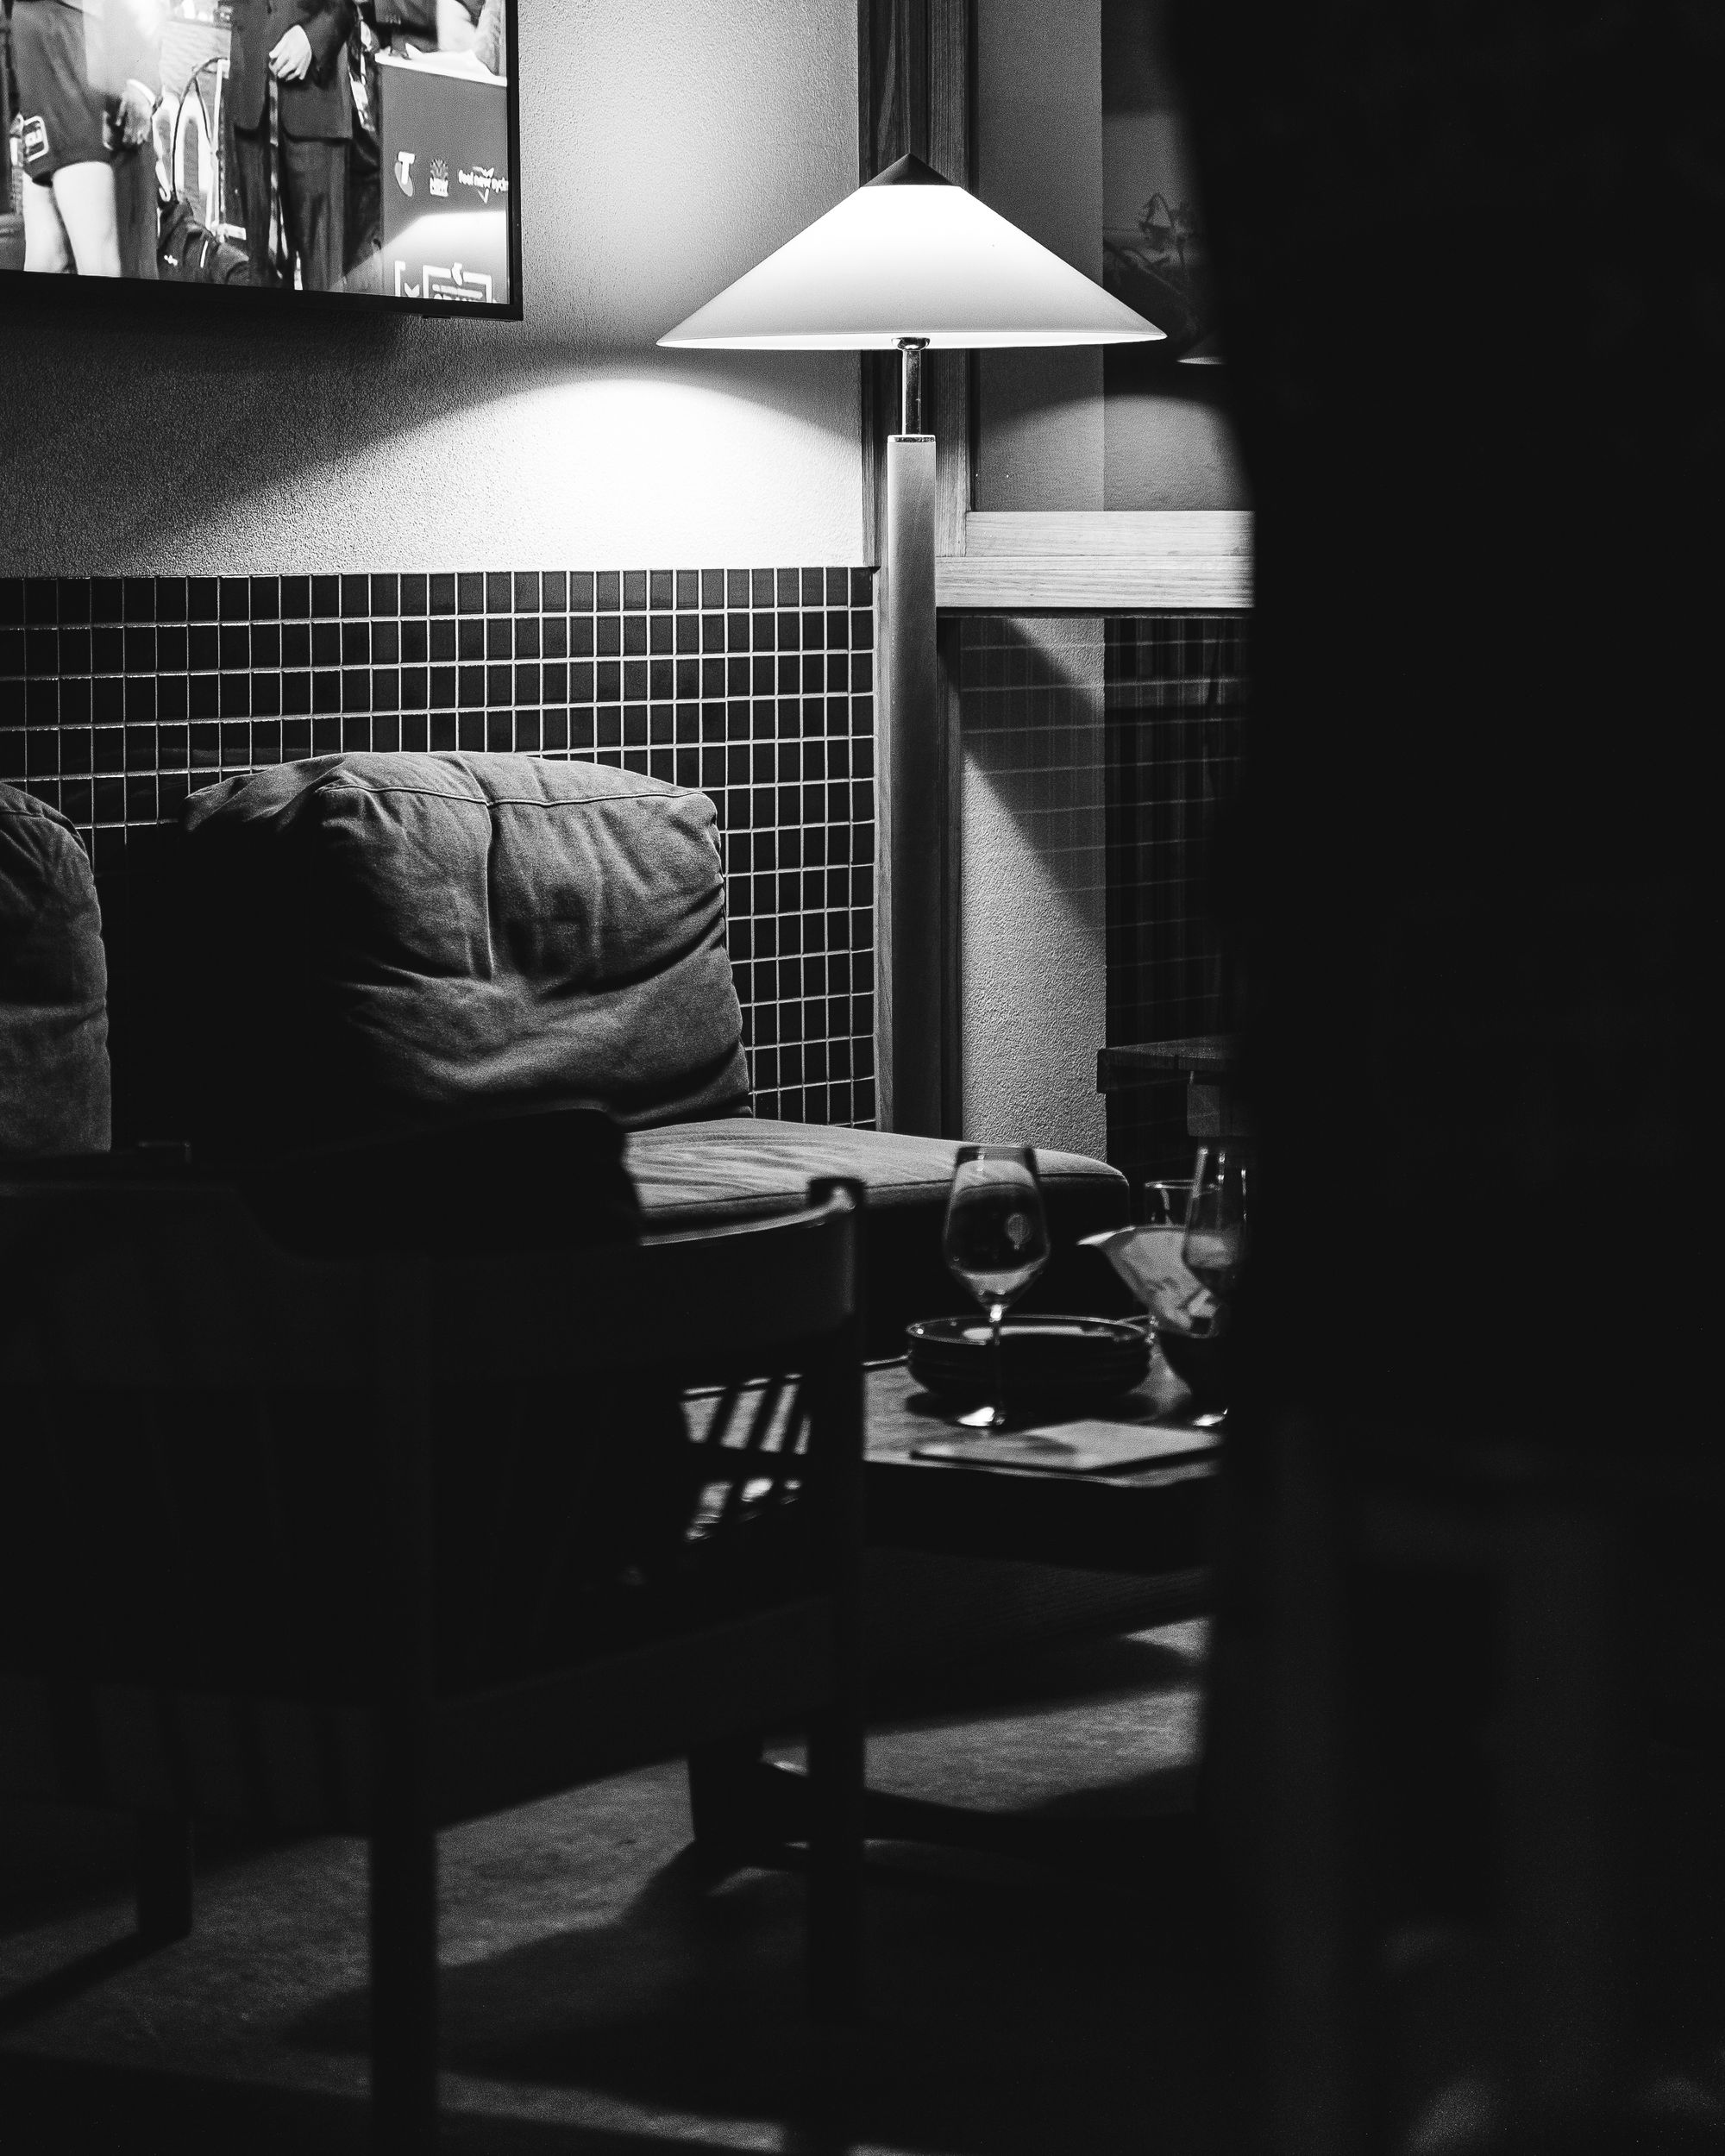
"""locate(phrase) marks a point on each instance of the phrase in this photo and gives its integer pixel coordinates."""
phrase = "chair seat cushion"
(54, 1090)
(694, 1174)
(396, 937)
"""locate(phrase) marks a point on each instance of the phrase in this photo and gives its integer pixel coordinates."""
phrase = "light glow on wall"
(649, 461)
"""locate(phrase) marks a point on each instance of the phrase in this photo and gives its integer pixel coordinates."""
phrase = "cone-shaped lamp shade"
(910, 255)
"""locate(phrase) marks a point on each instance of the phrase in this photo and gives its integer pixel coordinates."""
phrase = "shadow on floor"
(603, 1989)
(1096, 1671)
(1008, 2009)
(55, 2107)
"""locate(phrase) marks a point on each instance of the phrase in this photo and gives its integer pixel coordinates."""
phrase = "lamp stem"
(909, 794)
(909, 784)
(910, 350)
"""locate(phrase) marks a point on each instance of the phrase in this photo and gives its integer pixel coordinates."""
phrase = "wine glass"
(1163, 1205)
(996, 1242)
(1215, 1245)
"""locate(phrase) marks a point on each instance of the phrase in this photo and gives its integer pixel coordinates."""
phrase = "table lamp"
(909, 262)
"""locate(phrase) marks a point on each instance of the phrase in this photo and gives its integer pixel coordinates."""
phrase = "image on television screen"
(363, 147)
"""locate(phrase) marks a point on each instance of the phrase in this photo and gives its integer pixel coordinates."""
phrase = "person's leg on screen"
(83, 195)
(63, 144)
(137, 217)
(46, 247)
(251, 174)
(314, 195)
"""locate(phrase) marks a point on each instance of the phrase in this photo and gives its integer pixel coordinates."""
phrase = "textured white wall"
(667, 145)
(1034, 902)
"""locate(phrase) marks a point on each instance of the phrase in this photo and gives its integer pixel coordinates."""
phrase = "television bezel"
(168, 302)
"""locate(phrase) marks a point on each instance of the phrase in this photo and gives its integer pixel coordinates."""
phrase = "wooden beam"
(1065, 584)
(1080, 561)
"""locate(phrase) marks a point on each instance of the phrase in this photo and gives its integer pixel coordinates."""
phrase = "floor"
(600, 1995)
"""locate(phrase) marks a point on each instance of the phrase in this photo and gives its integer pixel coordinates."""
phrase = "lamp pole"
(910, 350)
(910, 780)
(908, 247)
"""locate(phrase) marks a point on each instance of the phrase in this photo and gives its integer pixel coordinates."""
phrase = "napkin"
(1149, 1261)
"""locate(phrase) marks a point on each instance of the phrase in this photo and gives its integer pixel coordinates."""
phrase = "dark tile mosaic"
(119, 697)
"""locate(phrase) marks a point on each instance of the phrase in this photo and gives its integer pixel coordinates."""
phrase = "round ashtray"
(1041, 1357)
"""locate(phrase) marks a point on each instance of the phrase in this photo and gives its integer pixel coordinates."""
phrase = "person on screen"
(123, 48)
(87, 72)
(299, 46)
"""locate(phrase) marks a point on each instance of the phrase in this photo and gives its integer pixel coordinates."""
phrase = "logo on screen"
(403, 171)
(436, 282)
(484, 181)
(440, 179)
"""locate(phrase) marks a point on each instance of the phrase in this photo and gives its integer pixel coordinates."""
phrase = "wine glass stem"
(997, 1310)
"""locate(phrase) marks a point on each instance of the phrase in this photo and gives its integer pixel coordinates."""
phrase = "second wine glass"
(996, 1242)
(1215, 1245)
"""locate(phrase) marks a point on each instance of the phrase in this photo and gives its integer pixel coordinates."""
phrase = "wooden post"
(837, 1736)
(909, 800)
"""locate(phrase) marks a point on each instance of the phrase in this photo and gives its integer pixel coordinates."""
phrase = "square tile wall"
(120, 696)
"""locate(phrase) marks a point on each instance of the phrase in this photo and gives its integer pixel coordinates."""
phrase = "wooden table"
(1152, 1522)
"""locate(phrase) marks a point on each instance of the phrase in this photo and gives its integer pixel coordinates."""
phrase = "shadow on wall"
(1033, 740)
(1168, 435)
(1034, 910)
(1102, 761)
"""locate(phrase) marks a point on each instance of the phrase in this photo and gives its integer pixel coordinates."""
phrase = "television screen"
(364, 149)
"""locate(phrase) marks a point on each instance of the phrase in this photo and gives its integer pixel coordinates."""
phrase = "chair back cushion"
(54, 1089)
(390, 938)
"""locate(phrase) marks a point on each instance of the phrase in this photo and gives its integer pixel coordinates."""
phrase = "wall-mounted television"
(364, 152)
